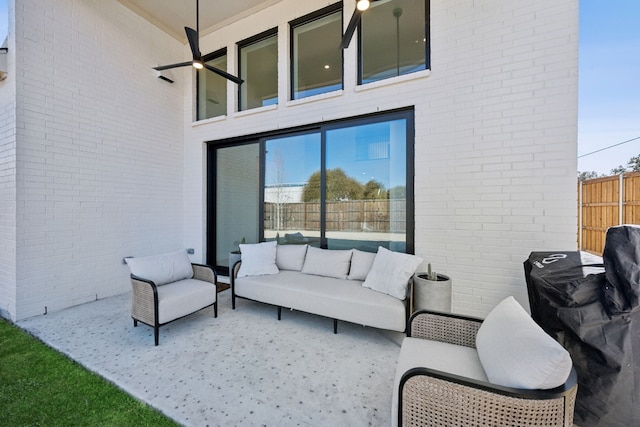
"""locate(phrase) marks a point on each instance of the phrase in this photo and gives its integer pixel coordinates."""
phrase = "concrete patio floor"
(243, 368)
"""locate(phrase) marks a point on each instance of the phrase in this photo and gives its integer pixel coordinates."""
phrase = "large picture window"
(258, 64)
(394, 39)
(316, 62)
(212, 88)
(341, 185)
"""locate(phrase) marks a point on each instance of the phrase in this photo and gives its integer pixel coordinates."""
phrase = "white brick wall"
(99, 150)
(496, 130)
(108, 163)
(8, 181)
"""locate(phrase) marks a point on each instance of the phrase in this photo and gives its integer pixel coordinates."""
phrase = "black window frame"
(205, 58)
(313, 16)
(248, 42)
(427, 33)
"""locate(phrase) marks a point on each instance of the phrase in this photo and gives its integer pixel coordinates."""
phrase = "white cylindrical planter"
(430, 294)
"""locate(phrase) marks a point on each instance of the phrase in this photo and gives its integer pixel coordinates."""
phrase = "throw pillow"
(290, 257)
(258, 259)
(325, 262)
(162, 269)
(361, 263)
(516, 352)
(391, 271)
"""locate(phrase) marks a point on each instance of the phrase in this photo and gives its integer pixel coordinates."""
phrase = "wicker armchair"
(429, 397)
(158, 305)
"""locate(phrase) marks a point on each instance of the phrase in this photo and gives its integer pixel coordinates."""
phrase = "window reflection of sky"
(4, 20)
(367, 152)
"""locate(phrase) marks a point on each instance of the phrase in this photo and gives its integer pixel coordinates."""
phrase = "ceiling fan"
(197, 62)
(361, 6)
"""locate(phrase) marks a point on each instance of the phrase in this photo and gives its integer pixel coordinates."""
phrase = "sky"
(4, 20)
(609, 83)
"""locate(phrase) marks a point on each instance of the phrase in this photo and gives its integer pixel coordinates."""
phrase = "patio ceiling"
(173, 15)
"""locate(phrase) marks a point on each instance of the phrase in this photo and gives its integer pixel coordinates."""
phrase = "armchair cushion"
(516, 352)
(162, 269)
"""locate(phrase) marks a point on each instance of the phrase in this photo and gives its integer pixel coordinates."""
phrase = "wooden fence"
(605, 202)
(353, 215)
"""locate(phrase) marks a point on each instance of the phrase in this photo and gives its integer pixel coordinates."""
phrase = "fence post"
(621, 201)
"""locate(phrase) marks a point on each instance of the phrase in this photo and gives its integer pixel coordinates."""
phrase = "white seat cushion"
(445, 357)
(326, 296)
(184, 297)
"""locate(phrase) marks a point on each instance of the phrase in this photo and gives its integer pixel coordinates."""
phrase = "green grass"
(41, 387)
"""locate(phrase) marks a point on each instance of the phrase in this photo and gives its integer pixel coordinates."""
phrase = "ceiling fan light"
(198, 65)
(362, 5)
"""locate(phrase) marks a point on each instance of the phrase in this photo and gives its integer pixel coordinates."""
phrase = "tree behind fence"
(603, 203)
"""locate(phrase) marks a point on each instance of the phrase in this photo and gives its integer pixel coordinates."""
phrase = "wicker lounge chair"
(429, 397)
(158, 298)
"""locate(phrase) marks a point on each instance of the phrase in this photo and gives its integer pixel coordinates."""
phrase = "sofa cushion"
(391, 271)
(516, 352)
(361, 263)
(290, 257)
(162, 269)
(326, 262)
(258, 259)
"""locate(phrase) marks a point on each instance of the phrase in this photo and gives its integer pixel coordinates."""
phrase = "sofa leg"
(335, 326)
(156, 334)
(279, 313)
(135, 323)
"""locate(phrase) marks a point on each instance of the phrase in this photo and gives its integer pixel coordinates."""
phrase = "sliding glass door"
(340, 185)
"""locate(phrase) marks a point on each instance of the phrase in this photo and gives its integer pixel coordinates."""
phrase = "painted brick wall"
(496, 131)
(8, 181)
(99, 150)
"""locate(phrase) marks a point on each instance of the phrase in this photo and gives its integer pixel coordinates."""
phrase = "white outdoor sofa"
(348, 285)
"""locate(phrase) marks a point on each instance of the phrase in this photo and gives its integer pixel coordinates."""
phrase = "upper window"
(212, 88)
(258, 64)
(316, 61)
(393, 39)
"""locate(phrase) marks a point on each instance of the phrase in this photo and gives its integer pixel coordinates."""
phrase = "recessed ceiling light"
(326, 67)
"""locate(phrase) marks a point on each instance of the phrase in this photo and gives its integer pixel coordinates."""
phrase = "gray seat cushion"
(184, 297)
(441, 356)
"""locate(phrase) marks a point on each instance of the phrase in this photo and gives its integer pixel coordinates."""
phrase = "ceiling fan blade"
(192, 36)
(166, 67)
(351, 28)
(224, 74)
